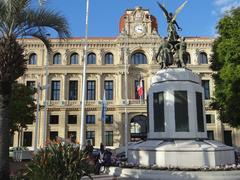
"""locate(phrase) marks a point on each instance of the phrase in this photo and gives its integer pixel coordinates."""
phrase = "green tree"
(226, 63)
(22, 108)
(18, 20)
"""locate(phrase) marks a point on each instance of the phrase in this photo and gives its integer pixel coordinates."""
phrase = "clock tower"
(138, 23)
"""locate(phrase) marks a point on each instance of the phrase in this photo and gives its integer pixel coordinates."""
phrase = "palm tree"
(18, 20)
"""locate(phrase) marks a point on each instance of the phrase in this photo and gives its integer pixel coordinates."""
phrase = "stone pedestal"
(177, 134)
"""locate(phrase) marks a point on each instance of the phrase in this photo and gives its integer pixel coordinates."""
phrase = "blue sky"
(198, 18)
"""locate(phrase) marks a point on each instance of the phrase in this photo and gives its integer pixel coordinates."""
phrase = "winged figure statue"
(171, 20)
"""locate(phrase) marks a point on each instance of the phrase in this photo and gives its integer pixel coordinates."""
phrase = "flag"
(104, 107)
(140, 88)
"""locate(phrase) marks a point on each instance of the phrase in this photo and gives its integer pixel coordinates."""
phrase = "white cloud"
(229, 6)
(224, 5)
(222, 2)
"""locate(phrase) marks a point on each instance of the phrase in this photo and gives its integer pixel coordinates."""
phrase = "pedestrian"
(89, 148)
(99, 160)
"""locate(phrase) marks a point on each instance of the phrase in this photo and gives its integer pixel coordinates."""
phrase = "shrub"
(58, 161)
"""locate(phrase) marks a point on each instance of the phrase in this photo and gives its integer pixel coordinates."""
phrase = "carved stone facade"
(138, 38)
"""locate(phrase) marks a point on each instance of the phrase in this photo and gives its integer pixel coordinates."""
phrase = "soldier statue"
(164, 56)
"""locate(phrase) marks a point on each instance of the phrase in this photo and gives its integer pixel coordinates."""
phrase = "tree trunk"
(5, 91)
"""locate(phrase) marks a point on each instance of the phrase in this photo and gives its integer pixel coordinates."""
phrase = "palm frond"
(17, 19)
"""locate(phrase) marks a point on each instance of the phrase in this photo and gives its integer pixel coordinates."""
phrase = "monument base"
(181, 153)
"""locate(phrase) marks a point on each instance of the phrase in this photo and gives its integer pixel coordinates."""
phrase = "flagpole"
(37, 119)
(126, 99)
(45, 125)
(82, 130)
(103, 116)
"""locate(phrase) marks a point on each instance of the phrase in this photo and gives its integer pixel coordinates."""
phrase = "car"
(20, 153)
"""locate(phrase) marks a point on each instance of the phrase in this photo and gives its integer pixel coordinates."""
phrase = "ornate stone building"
(137, 43)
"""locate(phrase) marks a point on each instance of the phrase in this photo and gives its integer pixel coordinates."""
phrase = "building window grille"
(73, 90)
(188, 58)
(109, 58)
(210, 135)
(108, 86)
(91, 58)
(72, 136)
(210, 118)
(57, 58)
(139, 58)
(109, 119)
(54, 119)
(109, 138)
(31, 84)
(72, 119)
(90, 119)
(203, 58)
(55, 92)
(74, 58)
(53, 135)
(27, 139)
(91, 90)
(205, 85)
(90, 135)
(32, 59)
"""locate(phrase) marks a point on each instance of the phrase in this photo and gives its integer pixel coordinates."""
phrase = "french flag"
(140, 88)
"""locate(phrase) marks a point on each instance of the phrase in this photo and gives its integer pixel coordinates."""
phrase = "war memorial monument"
(177, 134)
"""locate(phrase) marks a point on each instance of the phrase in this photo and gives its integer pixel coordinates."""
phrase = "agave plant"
(58, 161)
(18, 20)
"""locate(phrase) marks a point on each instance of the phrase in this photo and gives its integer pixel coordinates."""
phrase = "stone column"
(62, 129)
(99, 87)
(118, 90)
(41, 125)
(64, 87)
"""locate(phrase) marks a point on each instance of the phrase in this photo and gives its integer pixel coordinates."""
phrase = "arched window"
(108, 58)
(32, 59)
(139, 58)
(57, 58)
(91, 58)
(188, 58)
(203, 58)
(74, 58)
(139, 128)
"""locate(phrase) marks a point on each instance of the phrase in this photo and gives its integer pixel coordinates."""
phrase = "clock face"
(139, 29)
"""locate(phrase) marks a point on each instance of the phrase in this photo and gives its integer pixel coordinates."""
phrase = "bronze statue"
(172, 23)
(173, 49)
(165, 56)
(181, 52)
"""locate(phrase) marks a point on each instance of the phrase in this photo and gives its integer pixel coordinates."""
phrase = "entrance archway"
(139, 128)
